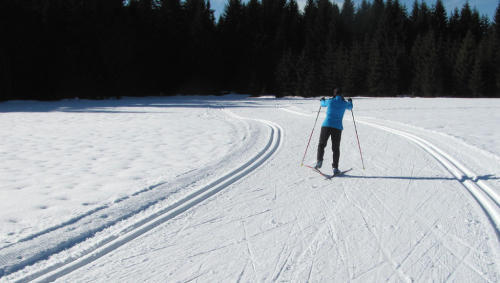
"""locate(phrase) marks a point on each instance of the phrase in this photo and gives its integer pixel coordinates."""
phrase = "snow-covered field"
(210, 189)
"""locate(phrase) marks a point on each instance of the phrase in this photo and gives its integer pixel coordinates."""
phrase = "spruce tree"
(476, 82)
(415, 12)
(424, 17)
(376, 13)
(454, 28)
(255, 50)
(326, 12)
(347, 19)
(429, 66)
(201, 48)
(496, 45)
(487, 55)
(286, 75)
(232, 39)
(329, 69)
(7, 10)
(496, 21)
(464, 65)
(479, 25)
(399, 69)
(355, 76)
(498, 73)
(378, 73)
(361, 21)
(292, 25)
(439, 20)
(306, 76)
(172, 27)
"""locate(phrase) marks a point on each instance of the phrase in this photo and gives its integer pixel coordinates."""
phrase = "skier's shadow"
(488, 177)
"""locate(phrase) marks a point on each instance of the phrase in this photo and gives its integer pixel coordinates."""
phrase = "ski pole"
(357, 137)
(302, 163)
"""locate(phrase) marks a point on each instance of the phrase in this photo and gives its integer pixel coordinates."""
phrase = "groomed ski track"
(485, 195)
(105, 246)
(404, 219)
(409, 217)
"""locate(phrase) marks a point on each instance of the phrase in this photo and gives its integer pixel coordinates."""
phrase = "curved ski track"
(485, 195)
(52, 273)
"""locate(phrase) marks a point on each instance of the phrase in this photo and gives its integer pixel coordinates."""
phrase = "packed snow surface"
(211, 189)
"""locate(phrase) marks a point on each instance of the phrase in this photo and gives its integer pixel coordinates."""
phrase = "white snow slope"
(211, 189)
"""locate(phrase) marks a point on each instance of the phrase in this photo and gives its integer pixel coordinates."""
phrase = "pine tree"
(429, 66)
(496, 21)
(376, 12)
(347, 17)
(476, 82)
(306, 77)
(465, 18)
(378, 73)
(496, 45)
(291, 24)
(470, 20)
(361, 20)
(497, 71)
(423, 23)
(326, 12)
(487, 56)
(286, 75)
(172, 27)
(399, 69)
(255, 49)
(329, 70)
(8, 13)
(480, 25)
(201, 47)
(454, 26)
(415, 12)
(354, 79)
(232, 38)
(389, 73)
(439, 20)
(464, 64)
(253, 17)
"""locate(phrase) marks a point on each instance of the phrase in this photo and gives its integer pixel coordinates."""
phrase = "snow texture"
(211, 189)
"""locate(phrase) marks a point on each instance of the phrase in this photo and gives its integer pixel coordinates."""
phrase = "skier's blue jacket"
(335, 112)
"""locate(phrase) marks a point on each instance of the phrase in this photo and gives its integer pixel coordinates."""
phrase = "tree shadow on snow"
(132, 104)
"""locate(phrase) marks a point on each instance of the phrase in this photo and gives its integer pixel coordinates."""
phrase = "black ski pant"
(335, 134)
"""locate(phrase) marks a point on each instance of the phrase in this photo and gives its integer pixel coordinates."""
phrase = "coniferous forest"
(56, 49)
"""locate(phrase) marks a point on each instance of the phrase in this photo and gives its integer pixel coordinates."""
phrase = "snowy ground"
(210, 189)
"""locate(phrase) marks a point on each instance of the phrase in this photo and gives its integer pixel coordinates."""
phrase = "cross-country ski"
(339, 174)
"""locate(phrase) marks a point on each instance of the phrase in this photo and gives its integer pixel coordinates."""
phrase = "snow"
(210, 189)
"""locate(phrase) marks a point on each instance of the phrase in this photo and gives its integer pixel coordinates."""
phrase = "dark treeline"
(55, 49)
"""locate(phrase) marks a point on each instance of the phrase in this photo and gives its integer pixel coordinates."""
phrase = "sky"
(484, 6)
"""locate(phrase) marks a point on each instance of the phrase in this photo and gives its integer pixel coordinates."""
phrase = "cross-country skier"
(332, 127)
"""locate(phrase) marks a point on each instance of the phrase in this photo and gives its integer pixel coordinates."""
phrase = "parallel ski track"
(275, 141)
(485, 195)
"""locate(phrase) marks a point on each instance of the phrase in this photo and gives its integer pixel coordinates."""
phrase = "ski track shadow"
(400, 177)
(484, 178)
